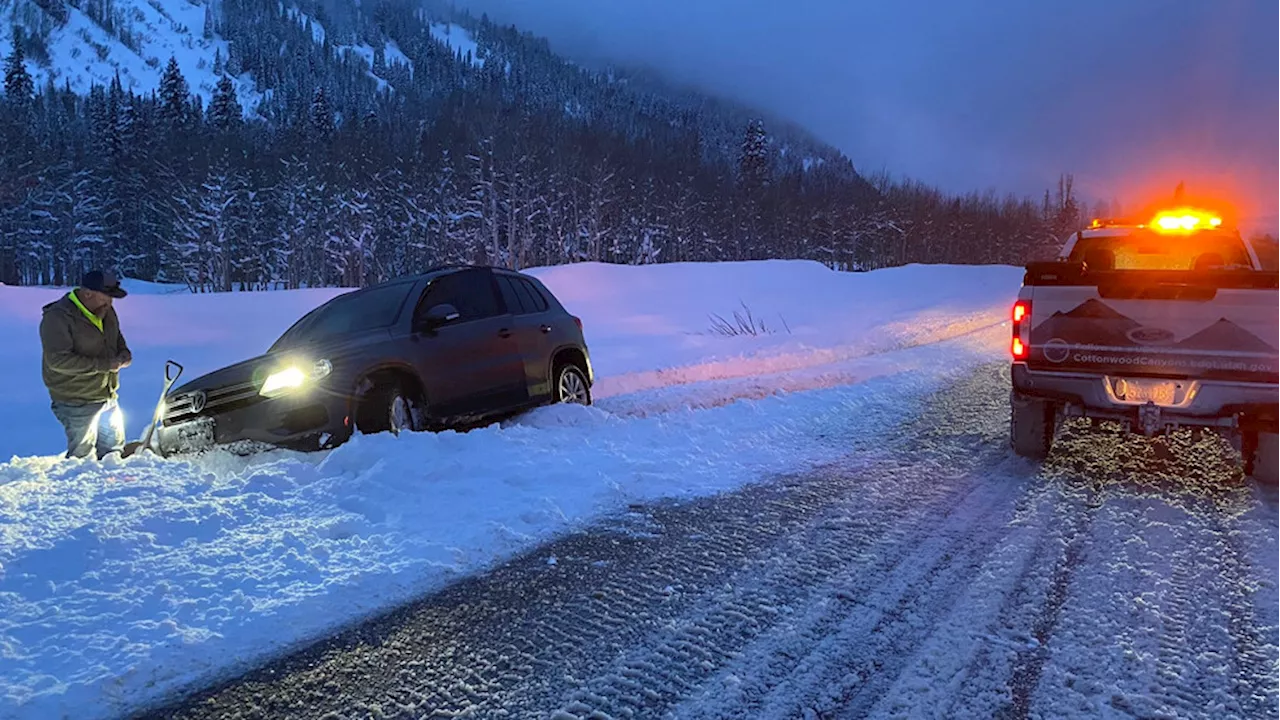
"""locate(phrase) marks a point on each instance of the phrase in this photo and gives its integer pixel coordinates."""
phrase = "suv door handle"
(504, 333)
(545, 328)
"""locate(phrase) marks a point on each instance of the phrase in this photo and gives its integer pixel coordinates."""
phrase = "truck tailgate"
(1156, 324)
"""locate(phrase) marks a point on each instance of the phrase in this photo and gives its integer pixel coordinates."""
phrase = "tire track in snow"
(965, 665)
(832, 570)
(1154, 618)
(520, 640)
(1029, 663)
(841, 655)
(1256, 650)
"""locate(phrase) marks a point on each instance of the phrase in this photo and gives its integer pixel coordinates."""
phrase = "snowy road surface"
(934, 576)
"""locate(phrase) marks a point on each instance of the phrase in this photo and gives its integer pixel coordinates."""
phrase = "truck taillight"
(1020, 347)
(577, 321)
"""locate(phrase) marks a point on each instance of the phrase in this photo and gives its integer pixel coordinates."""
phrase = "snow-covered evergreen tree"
(87, 213)
(207, 245)
(18, 87)
(753, 163)
(174, 96)
(322, 125)
(225, 111)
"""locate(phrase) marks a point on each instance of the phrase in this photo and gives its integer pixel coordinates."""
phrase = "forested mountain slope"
(255, 143)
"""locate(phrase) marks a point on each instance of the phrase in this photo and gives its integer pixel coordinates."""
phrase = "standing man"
(83, 354)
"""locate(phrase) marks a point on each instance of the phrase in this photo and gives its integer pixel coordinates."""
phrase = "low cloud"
(1130, 97)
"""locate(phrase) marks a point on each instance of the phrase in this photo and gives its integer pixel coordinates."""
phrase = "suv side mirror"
(439, 315)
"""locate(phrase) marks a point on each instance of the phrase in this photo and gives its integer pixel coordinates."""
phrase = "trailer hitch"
(1149, 419)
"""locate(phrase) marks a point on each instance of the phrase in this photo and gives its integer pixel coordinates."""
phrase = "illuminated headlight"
(293, 377)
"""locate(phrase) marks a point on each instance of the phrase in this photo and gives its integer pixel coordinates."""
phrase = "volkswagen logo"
(198, 399)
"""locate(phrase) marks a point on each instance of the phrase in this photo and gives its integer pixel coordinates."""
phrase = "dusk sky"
(1129, 95)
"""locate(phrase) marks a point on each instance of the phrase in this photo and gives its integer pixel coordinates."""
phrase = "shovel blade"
(131, 448)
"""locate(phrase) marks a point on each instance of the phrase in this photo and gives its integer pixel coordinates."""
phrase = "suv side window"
(515, 305)
(533, 300)
(470, 291)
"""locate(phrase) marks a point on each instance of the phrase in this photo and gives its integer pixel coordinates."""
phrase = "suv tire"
(389, 407)
(571, 384)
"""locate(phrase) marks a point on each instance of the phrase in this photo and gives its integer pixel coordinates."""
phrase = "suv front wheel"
(391, 407)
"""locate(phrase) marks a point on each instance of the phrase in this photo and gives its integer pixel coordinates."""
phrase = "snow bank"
(652, 326)
(120, 584)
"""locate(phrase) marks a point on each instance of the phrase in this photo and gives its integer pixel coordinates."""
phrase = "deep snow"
(120, 584)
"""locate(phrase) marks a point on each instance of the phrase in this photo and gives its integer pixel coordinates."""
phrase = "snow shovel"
(170, 377)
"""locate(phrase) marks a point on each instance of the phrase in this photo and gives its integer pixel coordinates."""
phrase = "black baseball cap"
(103, 281)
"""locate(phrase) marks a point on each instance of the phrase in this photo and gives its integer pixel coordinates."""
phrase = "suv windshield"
(369, 309)
(1147, 250)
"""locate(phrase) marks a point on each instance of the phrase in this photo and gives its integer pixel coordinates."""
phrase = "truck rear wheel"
(1031, 426)
(1259, 450)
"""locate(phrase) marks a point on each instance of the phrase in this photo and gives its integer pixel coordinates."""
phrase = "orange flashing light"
(1184, 220)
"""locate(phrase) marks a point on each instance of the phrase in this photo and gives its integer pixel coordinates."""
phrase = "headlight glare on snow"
(294, 377)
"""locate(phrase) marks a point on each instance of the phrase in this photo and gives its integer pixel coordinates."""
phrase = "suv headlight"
(293, 377)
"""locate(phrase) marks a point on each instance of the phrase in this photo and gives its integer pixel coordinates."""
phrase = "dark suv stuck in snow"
(452, 347)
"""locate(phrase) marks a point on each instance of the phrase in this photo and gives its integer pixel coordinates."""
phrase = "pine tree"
(235, 65)
(206, 245)
(321, 116)
(225, 112)
(753, 162)
(18, 87)
(753, 181)
(174, 96)
(88, 239)
(218, 66)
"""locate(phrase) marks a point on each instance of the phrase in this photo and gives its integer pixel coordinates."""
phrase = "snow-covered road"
(933, 575)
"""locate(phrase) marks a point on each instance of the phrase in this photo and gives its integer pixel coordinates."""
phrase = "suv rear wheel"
(571, 385)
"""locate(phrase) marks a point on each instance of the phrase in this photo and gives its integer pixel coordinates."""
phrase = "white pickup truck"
(1162, 324)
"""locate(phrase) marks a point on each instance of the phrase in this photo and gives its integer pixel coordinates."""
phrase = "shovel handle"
(169, 375)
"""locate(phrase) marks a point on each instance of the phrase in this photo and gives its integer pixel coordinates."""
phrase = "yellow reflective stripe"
(97, 321)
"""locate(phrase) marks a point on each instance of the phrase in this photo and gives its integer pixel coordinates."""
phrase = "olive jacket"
(79, 352)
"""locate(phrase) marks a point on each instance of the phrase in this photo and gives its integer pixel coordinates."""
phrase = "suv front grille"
(217, 400)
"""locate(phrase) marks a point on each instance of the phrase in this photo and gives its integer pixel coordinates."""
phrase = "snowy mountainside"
(81, 43)
(134, 39)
